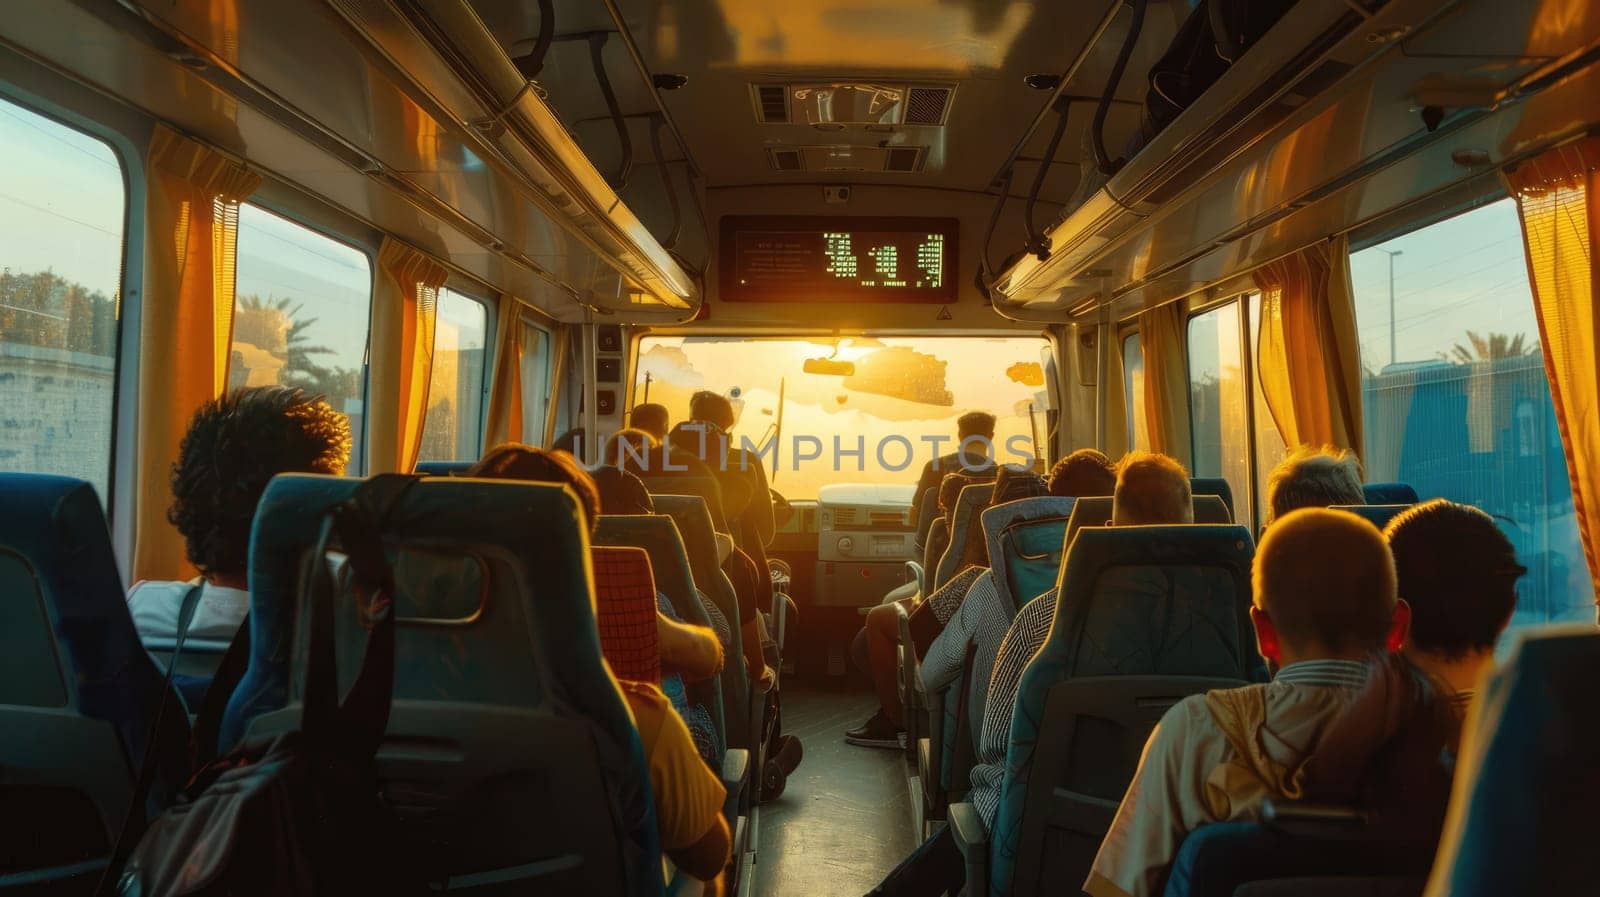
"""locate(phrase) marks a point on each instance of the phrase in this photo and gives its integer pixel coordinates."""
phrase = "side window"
(453, 427)
(1133, 393)
(62, 208)
(536, 365)
(302, 304)
(1455, 399)
(1217, 400)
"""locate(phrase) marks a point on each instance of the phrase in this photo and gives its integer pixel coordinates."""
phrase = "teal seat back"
(691, 516)
(79, 692)
(1390, 494)
(1138, 601)
(444, 468)
(502, 701)
(1026, 535)
(1096, 511)
(1031, 553)
(1211, 509)
(1090, 510)
(1378, 515)
(1217, 486)
(1527, 754)
(706, 487)
(971, 500)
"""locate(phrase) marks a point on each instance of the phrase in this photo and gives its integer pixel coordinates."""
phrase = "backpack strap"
(352, 730)
(133, 819)
(203, 747)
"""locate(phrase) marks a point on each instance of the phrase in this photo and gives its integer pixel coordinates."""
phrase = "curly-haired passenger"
(234, 446)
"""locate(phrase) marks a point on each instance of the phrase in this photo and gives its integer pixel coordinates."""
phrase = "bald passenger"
(1325, 600)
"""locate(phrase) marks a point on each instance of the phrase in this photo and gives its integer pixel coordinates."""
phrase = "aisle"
(845, 818)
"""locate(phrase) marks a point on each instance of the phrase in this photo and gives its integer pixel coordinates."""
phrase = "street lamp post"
(1391, 254)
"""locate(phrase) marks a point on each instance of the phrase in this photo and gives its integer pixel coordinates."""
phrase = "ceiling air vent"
(786, 159)
(903, 158)
(927, 105)
(772, 103)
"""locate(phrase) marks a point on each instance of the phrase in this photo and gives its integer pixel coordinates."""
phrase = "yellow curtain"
(1166, 381)
(504, 422)
(560, 346)
(1558, 194)
(403, 315)
(1307, 355)
(186, 323)
(1116, 436)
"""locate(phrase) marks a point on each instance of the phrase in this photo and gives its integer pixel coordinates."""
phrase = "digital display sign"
(838, 259)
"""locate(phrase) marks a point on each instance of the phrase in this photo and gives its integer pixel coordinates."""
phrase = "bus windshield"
(856, 409)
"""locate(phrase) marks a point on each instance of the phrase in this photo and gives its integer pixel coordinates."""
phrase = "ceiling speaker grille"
(927, 105)
(903, 158)
(772, 103)
(786, 159)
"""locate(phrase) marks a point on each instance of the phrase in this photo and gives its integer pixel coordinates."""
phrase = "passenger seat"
(79, 694)
(510, 756)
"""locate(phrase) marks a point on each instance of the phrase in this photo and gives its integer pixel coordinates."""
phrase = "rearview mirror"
(833, 367)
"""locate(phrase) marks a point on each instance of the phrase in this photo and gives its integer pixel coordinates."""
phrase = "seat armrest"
(917, 576)
(735, 768)
(1313, 820)
(972, 839)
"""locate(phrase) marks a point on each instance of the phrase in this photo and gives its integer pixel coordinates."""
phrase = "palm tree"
(1493, 347)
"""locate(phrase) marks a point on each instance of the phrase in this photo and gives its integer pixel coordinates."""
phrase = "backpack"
(297, 812)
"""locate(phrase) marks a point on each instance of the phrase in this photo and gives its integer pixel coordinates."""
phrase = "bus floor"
(845, 818)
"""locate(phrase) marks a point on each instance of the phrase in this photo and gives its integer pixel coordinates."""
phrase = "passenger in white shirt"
(235, 445)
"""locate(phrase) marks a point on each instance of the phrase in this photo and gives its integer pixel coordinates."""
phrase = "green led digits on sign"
(883, 261)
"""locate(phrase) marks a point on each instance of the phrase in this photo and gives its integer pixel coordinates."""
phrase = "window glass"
(452, 430)
(1133, 393)
(1269, 444)
(1454, 395)
(1217, 396)
(859, 409)
(302, 302)
(62, 206)
(536, 362)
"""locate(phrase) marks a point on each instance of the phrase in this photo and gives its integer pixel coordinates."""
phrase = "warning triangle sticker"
(944, 314)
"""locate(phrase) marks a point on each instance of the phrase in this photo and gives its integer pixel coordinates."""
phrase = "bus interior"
(825, 233)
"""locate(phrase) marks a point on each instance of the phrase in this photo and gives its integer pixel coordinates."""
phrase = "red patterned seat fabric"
(625, 610)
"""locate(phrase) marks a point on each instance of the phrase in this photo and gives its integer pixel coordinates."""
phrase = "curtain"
(403, 314)
(504, 422)
(1308, 358)
(186, 323)
(1166, 381)
(1117, 439)
(1558, 196)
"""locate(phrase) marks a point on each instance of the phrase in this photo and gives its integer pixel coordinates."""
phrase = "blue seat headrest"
(1379, 515)
(1390, 494)
(444, 468)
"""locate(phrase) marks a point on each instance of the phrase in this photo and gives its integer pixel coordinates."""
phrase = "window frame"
(476, 293)
(125, 133)
(293, 207)
(1250, 501)
(527, 320)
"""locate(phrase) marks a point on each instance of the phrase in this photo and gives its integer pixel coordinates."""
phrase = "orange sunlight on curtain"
(1116, 436)
(186, 323)
(1308, 357)
(1166, 381)
(404, 307)
(1558, 195)
(504, 421)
